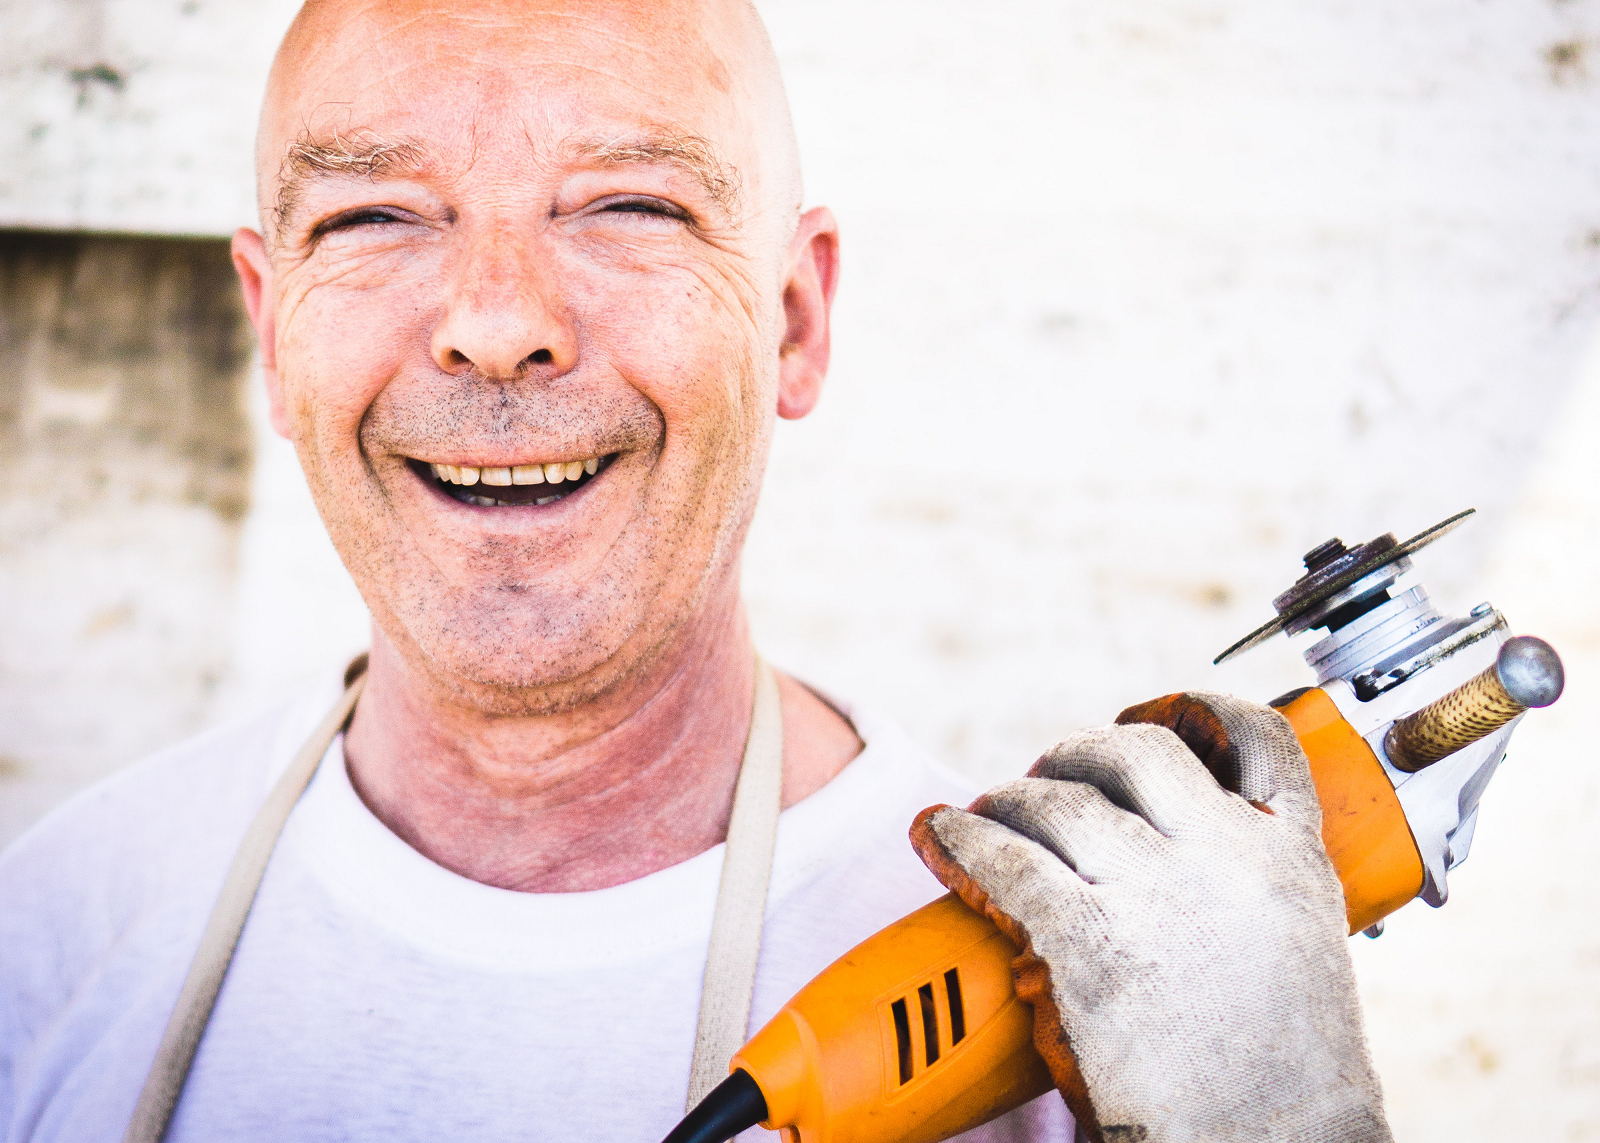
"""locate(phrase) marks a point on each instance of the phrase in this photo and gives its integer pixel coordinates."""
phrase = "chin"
(525, 664)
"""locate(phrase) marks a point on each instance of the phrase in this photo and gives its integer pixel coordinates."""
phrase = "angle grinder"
(916, 1034)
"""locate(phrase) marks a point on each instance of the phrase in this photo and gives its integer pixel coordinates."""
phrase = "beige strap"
(181, 1040)
(730, 978)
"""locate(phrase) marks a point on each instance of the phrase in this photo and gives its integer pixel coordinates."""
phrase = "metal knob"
(1527, 673)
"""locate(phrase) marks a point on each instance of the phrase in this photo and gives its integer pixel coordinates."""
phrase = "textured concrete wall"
(1140, 302)
(124, 477)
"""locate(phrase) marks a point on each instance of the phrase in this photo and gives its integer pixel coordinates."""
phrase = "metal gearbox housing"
(1388, 652)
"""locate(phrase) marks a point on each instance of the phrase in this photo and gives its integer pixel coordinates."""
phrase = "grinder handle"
(1527, 673)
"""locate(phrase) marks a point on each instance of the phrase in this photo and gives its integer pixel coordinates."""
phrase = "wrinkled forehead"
(462, 79)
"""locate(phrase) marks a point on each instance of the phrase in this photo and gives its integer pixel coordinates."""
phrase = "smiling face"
(528, 304)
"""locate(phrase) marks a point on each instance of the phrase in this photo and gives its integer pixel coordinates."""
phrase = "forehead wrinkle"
(302, 56)
(379, 41)
(376, 45)
(597, 27)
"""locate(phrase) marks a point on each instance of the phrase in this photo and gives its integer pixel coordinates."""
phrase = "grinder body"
(917, 1034)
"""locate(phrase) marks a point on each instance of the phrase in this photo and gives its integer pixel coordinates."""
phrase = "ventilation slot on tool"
(958, 1013)
(930, 1024)
(902, 1035)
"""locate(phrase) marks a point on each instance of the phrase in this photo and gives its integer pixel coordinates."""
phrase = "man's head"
(499, 236)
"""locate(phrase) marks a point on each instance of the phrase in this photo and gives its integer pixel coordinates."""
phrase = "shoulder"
(177, 796)
(893, 772)
(152, 835)
(909, 758)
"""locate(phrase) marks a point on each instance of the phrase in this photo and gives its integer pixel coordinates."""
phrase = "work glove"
(1183, 944)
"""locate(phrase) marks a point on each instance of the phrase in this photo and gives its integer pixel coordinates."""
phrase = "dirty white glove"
(1184, 951)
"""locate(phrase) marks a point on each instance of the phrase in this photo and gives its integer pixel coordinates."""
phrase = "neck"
(608, 792)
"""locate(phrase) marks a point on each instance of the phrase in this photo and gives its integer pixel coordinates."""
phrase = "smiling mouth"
(488, 486)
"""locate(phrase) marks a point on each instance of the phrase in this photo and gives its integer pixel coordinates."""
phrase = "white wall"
(1141, 302)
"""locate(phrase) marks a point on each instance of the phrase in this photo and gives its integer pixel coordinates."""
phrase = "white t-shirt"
(376, 996)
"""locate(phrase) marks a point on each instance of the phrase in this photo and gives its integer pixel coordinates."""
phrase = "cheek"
(341, 339)
(691, 344)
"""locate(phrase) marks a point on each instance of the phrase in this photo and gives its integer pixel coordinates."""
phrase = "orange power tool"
(916, 1034)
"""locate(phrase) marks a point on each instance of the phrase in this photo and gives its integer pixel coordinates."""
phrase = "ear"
(807, 301)
(255, 280)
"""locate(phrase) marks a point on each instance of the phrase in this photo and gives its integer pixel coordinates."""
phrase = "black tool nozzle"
(733, 1105)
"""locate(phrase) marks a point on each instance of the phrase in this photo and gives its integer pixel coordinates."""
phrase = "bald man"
(532, 286)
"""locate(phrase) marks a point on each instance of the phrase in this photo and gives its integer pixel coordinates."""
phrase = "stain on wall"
(125, 454)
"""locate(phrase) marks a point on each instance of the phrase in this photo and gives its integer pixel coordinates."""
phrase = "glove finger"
(1249, 749)
(1146, 770)
(1076, 822)
(994, 869)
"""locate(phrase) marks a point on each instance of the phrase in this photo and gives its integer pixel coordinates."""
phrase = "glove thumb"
(1249, 749)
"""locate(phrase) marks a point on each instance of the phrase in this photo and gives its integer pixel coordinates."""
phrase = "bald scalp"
(716, 52)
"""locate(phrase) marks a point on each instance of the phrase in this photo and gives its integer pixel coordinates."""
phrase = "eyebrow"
(692, 154)
(362, 155)
(368, 155)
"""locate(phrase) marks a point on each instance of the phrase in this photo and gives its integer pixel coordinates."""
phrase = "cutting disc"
(1338, 582)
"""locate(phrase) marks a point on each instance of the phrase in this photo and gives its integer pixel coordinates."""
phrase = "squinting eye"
(364, 218)
(643, 206)
(370, 217)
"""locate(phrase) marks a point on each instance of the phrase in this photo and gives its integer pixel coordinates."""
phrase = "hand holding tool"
(1182, 950)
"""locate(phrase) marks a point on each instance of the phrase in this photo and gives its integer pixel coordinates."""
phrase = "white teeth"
(499, 477)
(591, 465)
(574, 469)
(468, 474)
(555, 473)
(527, 474)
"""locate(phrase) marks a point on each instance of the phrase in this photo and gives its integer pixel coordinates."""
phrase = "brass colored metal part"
(1477, 707)
(1527, 674)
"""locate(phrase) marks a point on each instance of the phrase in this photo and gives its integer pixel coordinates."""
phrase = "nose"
(503, 313)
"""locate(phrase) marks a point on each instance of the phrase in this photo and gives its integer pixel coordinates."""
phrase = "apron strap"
(735, 929)
(181, 1040)
(730, 978)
